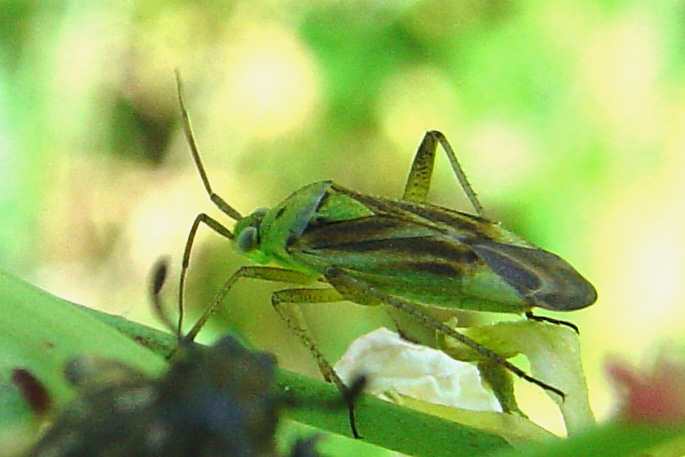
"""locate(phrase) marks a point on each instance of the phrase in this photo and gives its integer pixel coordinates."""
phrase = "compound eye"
(247, 240)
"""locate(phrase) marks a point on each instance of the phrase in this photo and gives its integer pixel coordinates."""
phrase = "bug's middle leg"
(285, 303)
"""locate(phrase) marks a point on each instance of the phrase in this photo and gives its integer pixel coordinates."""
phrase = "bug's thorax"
(265, 234)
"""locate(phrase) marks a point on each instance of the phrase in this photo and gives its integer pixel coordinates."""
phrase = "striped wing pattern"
(441, 257)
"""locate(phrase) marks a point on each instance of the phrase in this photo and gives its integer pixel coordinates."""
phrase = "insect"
(215, 401)
(400, 253)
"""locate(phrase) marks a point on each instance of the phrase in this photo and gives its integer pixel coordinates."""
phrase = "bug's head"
(247, 238)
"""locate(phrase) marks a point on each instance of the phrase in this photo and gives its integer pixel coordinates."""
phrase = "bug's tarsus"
(541, 384)
(353, 421)
(551, 320)
(350, 396)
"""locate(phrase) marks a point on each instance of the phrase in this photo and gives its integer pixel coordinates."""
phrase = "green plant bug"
(403, 253)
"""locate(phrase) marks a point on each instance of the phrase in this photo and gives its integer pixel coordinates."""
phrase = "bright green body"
(417, 251)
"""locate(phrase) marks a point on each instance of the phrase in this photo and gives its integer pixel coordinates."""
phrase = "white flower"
(394, 365)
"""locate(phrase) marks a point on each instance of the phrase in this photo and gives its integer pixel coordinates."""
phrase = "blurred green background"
(569, 118)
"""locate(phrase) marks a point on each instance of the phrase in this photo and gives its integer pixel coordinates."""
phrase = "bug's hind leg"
(419, 180)
(551, 320)
(285, 303)
(358, 291)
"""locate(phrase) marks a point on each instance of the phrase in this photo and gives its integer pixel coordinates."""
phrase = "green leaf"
(614, 440)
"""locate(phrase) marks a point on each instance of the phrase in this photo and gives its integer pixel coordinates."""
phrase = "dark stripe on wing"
(449, 270)
(323, 234)
(380, 244)
(406, 248)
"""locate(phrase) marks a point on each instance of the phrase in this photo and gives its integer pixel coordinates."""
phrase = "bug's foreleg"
(263, 273)
(359, 292)
(421, 173)
(201, 218)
